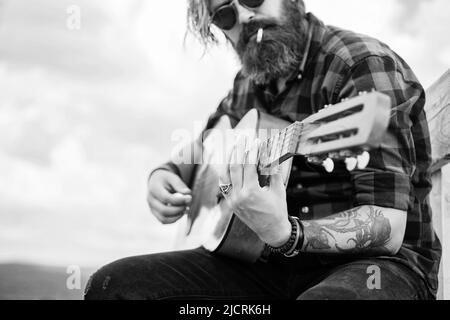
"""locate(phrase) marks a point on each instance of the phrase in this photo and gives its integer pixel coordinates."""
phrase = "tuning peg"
(351, 163)
(363, 160)
(328, 164)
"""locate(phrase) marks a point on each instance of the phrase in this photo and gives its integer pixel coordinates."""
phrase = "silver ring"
(225, 188)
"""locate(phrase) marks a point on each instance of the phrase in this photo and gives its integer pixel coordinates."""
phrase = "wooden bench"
(438, 113)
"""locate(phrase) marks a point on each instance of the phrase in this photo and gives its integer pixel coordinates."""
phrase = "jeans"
(198, 274)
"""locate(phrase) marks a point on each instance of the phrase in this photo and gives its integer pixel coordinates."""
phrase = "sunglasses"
(225, 17)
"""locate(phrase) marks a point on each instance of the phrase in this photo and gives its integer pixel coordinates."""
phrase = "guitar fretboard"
(281, 145)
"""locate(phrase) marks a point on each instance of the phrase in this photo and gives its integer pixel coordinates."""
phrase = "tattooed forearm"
(363, 230)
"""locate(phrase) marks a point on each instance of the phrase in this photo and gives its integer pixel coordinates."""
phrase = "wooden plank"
(440, 203)
(445, 238)
(438, 113)
(436, 205)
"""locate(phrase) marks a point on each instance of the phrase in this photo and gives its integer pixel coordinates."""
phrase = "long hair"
(199, 21)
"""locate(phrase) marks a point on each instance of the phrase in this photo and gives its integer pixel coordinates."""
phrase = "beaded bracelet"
(299, 241)
(292, 242)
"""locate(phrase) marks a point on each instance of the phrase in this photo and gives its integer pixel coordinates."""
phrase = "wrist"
(300, 239)
(287, 246)
(292, 247)
(284, 235)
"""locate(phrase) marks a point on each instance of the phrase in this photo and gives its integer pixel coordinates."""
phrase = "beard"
(279, 53)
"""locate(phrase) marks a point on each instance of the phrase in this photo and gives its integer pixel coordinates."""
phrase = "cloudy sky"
(85, 114)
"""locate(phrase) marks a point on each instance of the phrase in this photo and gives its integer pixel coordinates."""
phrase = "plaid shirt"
(339, 65)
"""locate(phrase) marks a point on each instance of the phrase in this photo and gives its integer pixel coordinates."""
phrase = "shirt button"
(299, 186)
(305, 210)
(294, 169)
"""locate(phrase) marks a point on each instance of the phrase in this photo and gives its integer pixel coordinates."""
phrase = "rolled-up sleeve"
(387, 181)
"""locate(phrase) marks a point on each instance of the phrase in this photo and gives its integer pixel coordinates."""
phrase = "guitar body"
(344, 131)
(211, 223)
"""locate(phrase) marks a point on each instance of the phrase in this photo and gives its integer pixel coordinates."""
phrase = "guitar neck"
(281, 146)
(347, 128)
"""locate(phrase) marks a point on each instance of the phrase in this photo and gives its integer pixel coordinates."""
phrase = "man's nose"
(244, 14)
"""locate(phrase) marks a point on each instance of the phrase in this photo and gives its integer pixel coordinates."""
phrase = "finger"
(177, 185)
(235, 170)
(277, 182)
(158, 215)
(167, 197)
(170, 220)
(160, 210)
(250, 167)
(167, 220)
(224, 172)
(173, 199)
(237, 164)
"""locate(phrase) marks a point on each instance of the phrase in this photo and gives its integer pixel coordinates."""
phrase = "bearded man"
(292, 66)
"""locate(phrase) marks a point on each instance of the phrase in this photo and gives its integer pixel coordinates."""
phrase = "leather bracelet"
(291, 243)
(299, 242)
(293, 252)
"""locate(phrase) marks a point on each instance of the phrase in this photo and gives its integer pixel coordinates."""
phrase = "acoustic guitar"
(343, 131)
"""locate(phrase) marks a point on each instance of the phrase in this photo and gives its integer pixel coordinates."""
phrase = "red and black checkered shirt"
(340, 64)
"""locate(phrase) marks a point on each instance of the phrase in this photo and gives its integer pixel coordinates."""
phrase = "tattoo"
(352, 232)
(318, 239)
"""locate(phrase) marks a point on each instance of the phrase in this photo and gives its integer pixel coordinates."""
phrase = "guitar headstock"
(345, 131)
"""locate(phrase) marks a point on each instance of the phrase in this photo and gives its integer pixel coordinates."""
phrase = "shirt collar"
(302, 67)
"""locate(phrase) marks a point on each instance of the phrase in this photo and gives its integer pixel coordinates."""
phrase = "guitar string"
(270, 154)
(303, 130)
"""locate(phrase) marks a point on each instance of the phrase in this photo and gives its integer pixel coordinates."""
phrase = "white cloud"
(101, 50)
(413, 28)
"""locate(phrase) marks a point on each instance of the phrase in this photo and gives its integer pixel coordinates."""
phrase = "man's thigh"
(194, 274)
(371, 279)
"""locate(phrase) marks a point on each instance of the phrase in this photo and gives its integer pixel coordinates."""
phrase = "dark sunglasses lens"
(225, 18)
(251, 3)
